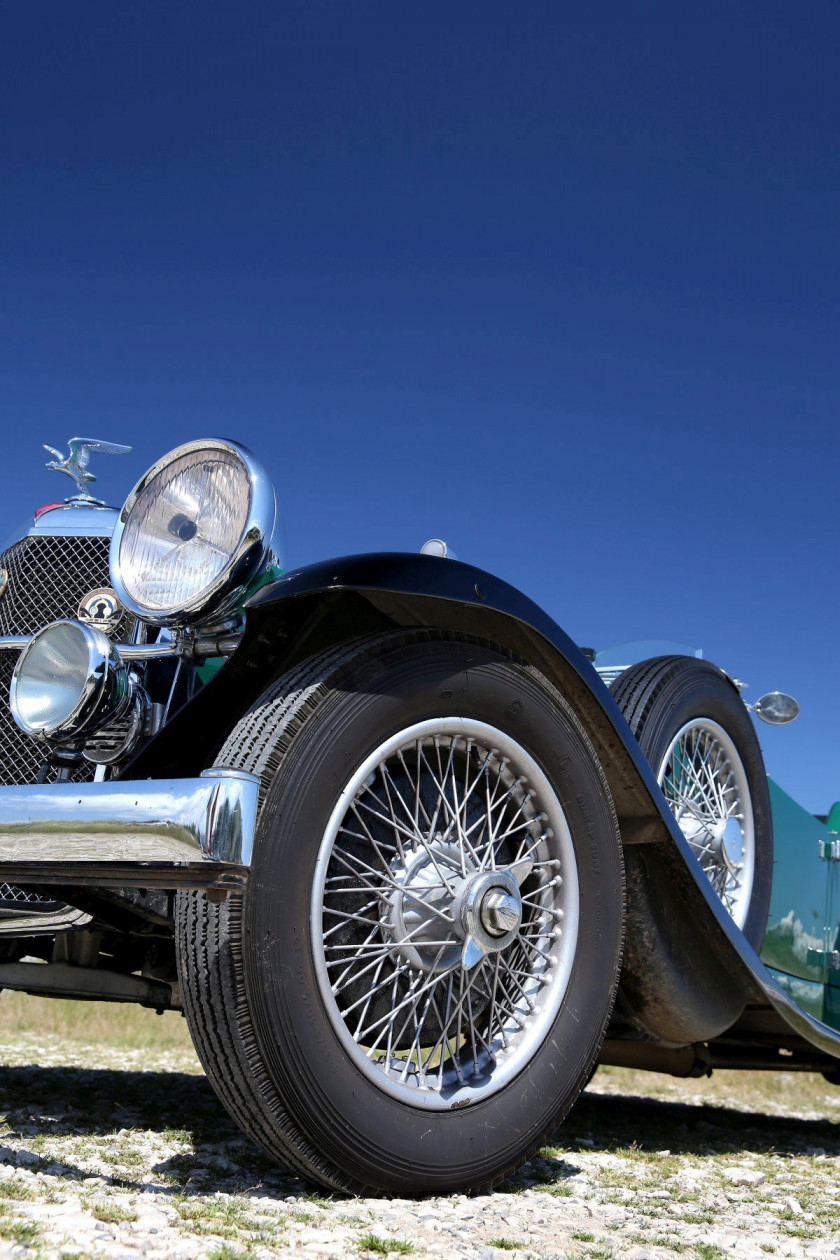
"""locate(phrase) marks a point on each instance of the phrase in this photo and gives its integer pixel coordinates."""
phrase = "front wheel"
(412, 991)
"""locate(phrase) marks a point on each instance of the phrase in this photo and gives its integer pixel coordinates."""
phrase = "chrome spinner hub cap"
(490, 912)
(444, 912)
(730, 840)
(501, 912)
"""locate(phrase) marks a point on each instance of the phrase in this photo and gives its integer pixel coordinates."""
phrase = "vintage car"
(410, 863)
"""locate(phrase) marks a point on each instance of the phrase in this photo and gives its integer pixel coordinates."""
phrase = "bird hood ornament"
(75, 463)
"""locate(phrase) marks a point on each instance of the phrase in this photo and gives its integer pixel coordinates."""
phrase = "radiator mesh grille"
(47, 579)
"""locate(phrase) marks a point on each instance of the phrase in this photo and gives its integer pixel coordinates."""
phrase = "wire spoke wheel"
(699, 740)
(705, 784)
(445, 912)
(412, 990)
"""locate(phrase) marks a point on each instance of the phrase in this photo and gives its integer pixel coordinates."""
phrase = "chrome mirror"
(775, 708)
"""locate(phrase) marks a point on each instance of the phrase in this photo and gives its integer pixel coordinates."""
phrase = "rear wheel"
(414, 987)
(700, 743)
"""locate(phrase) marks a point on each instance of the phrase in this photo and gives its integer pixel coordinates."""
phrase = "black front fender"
(327, 603)
(688, 970)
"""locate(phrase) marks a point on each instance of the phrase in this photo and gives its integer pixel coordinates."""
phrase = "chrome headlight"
(193, 533)
(68, 680)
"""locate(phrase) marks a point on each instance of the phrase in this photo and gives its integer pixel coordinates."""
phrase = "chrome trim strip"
(147, 651)
(215, 645)
(74, 519)
(150, 832)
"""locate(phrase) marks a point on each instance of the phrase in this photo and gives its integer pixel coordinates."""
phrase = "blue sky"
(558, 283)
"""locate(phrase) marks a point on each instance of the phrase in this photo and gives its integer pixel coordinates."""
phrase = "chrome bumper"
(162, 833)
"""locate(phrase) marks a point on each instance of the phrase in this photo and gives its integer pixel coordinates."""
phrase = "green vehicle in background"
(802, 942)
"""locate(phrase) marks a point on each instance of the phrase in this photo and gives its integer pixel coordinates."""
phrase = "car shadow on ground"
(38, 1104)
(616, 1121)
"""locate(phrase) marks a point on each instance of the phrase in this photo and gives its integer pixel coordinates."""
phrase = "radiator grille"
(48, 578)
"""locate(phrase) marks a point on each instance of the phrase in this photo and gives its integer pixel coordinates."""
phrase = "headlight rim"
(104, 669)
(218, 597)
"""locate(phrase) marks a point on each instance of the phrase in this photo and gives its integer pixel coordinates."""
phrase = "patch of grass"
(708, 1251)
(801, 1231)
(113, 1213)
(15, 1190)
(505, 1244)
(177, 1135)
(106, 1023)
(226, 1218)
(224, 1252)
(660, 1165)
(219, 1209)
(24, 1233)
(583, 1235)
(383, 1246)
(323, 1199)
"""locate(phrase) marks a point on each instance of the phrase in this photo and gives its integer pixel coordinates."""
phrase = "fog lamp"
(68, 681)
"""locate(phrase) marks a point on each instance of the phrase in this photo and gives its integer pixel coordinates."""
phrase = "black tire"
(264, 1026)
(660, 698)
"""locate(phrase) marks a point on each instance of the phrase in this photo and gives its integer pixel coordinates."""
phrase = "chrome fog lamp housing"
(192, 534)
(67, 682)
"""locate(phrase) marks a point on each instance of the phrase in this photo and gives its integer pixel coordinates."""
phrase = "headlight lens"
(68, 676)
(194, 529)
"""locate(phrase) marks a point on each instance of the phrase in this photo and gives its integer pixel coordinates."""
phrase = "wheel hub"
(419, 916)
(439, 918)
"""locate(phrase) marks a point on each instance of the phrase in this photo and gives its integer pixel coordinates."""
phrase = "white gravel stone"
(744, 1177)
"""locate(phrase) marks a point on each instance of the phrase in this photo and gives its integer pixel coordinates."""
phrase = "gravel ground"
(101, 1157)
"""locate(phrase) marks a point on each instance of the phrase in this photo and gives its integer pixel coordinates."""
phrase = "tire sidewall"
(372, 1136)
